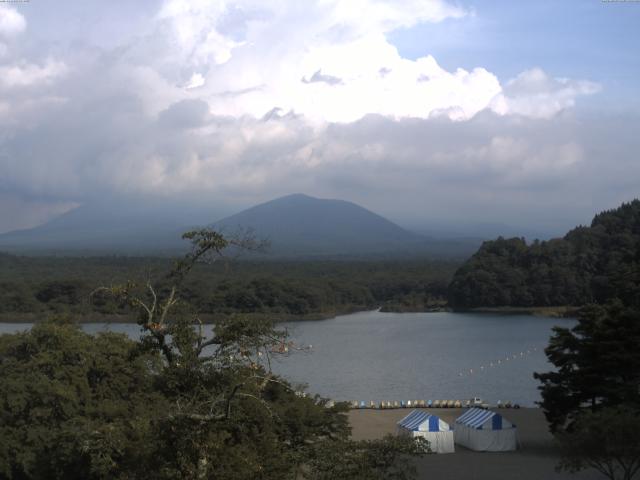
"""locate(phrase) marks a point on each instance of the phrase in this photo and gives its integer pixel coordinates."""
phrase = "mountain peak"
(301, 224)
(296, 196)
(301, 197)
(296, 225)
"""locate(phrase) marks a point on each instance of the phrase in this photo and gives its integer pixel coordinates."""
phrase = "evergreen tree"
(597, 362)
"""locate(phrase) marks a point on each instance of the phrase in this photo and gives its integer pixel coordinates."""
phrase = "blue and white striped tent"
(430, 427)
(486, 431)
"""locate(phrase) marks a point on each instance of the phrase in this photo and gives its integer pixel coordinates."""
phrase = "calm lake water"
(389, 356)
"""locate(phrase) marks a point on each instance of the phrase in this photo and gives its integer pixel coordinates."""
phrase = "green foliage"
(386, 459)
(17, 297)
(607, 440)
(592, 399)
(597, 364)
(65, 292)
(590, 264)
(177, 404)
(72, 405)
(283, 290)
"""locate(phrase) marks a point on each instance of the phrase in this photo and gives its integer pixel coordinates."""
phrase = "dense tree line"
(295, 289)
(176, 404)
(597, 364)
(589, 264)
(592, 398)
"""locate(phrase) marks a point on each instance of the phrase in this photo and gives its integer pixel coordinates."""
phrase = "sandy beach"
(535, 459)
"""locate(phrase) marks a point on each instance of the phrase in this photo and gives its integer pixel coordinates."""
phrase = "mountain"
(296, 226)
(300, 225)
(125, 226)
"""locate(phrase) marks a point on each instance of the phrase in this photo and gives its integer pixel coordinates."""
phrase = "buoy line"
(498, 363)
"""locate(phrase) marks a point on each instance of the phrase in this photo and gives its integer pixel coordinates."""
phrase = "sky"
(524, 113)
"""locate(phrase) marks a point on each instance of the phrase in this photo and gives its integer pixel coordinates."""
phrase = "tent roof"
(483, 420)
(417, 418)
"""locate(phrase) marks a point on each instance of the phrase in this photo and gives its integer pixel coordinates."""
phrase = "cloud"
(11, 22)
(322, 78)
(341, 53)
(23, 82)
(207, 102)
(533, 93)
(19, 213)
(339, 56)
(193, 29)
(185, 114)
(265, 48)
(25, 74)
(386, 15)
(196, 80)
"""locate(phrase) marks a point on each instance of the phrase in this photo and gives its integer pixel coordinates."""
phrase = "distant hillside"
(299, 224)
(129, 227)
(589, 264)
(296, 225)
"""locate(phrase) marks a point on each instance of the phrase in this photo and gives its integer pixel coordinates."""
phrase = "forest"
(175, 404)
(590, 264)
(33, 287)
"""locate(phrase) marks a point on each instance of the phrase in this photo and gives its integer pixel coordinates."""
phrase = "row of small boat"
(412, 404)
(427, 404)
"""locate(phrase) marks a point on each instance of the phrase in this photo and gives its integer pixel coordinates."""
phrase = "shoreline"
(208, 318)
(560, 311)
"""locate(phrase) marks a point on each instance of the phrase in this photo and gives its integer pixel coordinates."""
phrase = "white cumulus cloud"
(533, 93)
(331, 61)
(25, 74)
(11, 21)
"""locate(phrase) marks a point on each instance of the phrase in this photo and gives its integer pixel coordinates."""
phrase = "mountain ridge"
(301, 224)
(297, 225)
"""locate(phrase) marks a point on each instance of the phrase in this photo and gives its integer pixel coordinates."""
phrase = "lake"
(409, 356)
